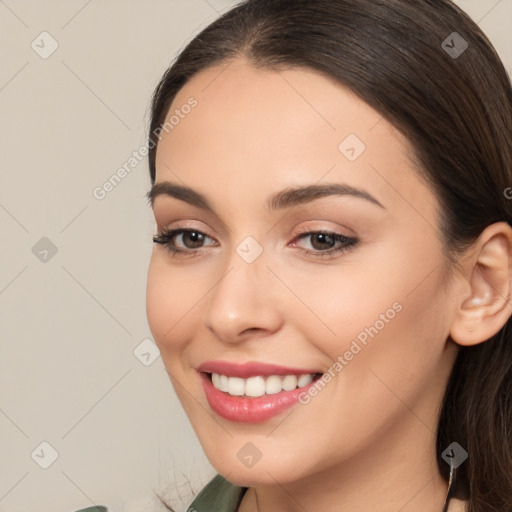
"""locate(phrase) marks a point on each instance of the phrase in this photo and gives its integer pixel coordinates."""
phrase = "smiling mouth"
(257, 386)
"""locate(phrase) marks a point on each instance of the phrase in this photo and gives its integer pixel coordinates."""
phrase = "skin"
(367, 440)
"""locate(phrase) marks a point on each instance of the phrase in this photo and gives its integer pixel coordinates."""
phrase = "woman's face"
(253, 282)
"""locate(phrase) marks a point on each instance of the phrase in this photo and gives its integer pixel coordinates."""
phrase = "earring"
(451, 482)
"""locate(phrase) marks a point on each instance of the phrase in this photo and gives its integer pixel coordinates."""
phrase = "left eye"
(324, 242)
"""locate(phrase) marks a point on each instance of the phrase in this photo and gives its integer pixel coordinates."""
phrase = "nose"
(244, 302)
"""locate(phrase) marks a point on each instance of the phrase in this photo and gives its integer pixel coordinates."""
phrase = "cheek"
(169, 304)
(394, 345)
(332, 305)
(392, 313)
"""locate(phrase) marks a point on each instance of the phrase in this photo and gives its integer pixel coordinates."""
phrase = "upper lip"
(250, 369)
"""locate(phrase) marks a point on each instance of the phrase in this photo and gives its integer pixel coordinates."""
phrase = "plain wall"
(72, 322)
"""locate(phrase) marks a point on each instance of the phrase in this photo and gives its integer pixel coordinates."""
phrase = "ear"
(485, 305)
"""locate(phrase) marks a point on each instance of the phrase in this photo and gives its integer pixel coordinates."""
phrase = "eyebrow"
(286, 198)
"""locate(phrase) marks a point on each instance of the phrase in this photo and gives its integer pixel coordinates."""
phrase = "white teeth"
(304, 380)
(236, 386)
(290, 382)
(259, 386)
(255, 386)
(223, 383)
(273, 384)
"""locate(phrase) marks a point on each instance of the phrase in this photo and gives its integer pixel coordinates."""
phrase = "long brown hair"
(454, 104)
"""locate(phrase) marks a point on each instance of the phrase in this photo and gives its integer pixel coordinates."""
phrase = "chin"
(260, 474)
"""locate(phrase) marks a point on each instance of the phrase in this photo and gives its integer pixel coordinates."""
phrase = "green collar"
(218, 495)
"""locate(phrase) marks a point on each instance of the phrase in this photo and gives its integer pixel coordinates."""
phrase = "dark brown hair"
(456, 110)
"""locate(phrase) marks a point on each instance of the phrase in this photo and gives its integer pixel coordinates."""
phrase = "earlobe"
(485, 311)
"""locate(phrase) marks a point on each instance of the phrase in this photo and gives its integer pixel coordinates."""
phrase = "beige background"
(72, 327)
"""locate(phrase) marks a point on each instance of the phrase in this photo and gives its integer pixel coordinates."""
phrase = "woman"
(330, 283)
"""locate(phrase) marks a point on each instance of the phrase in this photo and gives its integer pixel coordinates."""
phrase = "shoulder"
(218, 495)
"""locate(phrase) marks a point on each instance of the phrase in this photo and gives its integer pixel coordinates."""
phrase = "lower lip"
(246, 409)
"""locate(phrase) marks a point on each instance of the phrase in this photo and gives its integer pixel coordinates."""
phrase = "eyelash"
(166, 236)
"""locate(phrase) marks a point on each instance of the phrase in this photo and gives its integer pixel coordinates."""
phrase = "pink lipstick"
(253, 392)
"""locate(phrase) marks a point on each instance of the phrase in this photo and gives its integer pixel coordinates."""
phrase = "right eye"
(181, 240)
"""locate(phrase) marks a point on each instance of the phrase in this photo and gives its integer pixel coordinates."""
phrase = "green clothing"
(96, 508)
(218, 495)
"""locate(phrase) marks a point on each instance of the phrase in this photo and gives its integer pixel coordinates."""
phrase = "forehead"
(255, 127)
(276, 105)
